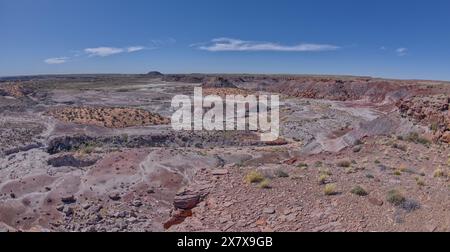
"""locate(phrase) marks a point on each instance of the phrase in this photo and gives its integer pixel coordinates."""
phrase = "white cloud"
(103, 51)
(56, 61)
(135, 48)
(228, 44)
(402, 51)
(108, 51)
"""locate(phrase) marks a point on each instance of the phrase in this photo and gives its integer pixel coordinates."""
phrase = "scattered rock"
(70, 199)
(115, 196)
(357, 149)
(68, 211)
(137, 203)
(86, 206)
(189, 197)
(376, 201)
(219, 172)
(269, 210)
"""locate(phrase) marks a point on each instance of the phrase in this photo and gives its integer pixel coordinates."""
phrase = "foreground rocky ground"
(97, 153)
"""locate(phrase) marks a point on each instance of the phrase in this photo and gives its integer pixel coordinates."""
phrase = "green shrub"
(416, 138)
(358, 190)
(302, 165)
(395, 197)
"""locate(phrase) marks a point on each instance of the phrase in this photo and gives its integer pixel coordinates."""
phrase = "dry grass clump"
(420, 182)
(330, 190)
(439, 173)
(265, 184)
(254, 177)
(324, 175)
(344, 163)
(323, 179)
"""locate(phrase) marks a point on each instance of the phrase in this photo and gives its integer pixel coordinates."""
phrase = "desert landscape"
(97, 153)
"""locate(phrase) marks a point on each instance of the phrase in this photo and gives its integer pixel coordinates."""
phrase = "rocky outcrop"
(189, 197)
(14, 90)
(155, 74)
(186, 78)
(164, 139)
(70, 161)
(341, 89)
(429, 111)
(186, 200)
(218, 82)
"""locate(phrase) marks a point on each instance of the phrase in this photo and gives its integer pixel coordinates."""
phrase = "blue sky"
(396, 38)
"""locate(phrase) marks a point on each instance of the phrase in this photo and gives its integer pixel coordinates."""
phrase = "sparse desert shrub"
(358, 190)
(434, 127)
(400, 147)
(125, 138)
(397, 173)
(86, 149)
(395, 197)
(369, 176)
(350, 170)
(439, 173)
(319, 164)
(325, 172)
(330, 189)
(281, 174)
(410, 205)
(377, 161)
(265, 184)
(254, 177)
(416, 138)
(359, 142)
(302, 165)
(420, 182)
(344, 163)
(323, 179)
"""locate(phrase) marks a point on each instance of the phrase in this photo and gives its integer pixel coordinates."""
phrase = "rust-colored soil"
(109, 117)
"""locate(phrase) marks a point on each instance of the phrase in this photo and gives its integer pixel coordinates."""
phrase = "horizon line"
(2, 77)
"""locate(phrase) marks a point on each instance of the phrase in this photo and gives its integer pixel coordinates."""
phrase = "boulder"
(189, 197)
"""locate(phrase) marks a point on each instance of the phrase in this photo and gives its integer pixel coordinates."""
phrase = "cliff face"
(430, 111)
(338, 88)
